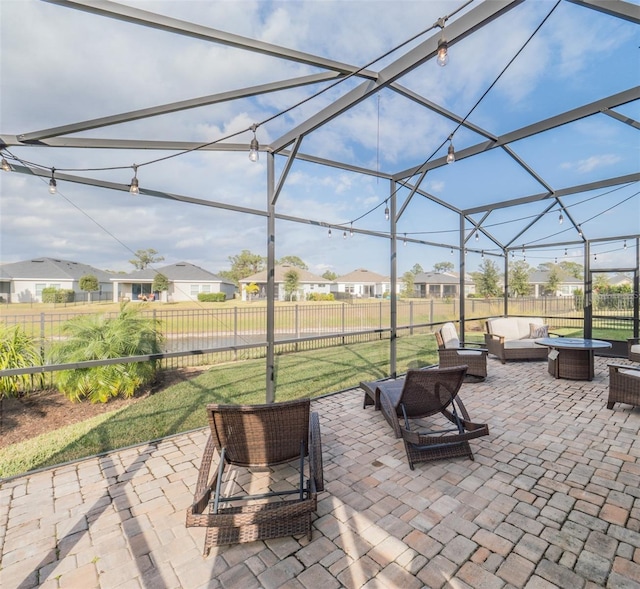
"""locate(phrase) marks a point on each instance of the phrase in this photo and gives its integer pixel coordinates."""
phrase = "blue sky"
(59, 66)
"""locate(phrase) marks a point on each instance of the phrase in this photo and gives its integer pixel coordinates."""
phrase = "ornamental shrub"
(18, 350)
(99, 337)
(212, 297)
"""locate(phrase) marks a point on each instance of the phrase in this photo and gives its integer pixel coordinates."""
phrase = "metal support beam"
(616, 8)
(271, 258)
(393, 244)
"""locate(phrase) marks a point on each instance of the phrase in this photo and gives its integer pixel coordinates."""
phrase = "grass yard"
(180, 407)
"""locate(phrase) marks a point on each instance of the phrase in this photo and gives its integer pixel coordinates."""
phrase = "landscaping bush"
(51, 294)
(98, 337)
(319, 296)
(18, 350)
(212, 297)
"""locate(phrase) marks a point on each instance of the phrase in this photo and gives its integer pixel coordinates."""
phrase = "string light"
(386, 212)
(595, 257)
(625, 244)
(53, 187)
(451, 152)
(513, 255)
(254, 146)
(565, 252)
(405, 239)
(134, 187)
(451, 251)
(482, 256)
(329, 232)
(560, 219)
(580, 230)
(477, 235)
(351, 230)
(344, 235)
(5, 165)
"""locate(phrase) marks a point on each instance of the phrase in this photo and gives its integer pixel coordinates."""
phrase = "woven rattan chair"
(451, 353)
(633, 344)
(258, 436)
(428, 393)
(624, 385)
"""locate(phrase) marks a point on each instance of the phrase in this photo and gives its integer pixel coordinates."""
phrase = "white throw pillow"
(536, 330)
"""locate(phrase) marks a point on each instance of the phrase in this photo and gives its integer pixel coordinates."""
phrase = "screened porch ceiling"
(540, 101)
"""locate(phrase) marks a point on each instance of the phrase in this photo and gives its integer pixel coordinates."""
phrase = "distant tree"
(89, 283)
(293, 261)
(442, 267)
(252, 289)
(487, 279)
(329, 275)
(408, 281)
(160, 283)
(417, 269)
(554, 280)
(519, 278)
(291, 283)
(242, 265)
(145, 258)
(601, 283)
(572, 269)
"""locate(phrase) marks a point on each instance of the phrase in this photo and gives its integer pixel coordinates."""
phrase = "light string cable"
(404, 184)
(280, 113)
(533, 216)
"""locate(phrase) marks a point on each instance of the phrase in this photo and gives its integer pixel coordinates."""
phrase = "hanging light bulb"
(351, 230)
(595, 257)
(451, 152)
(580, 230)
(405, 239)
(625, 244)
(134, 187)
(5, 165)
(560, 219)
(513, 255)
(254, 146)
(329, 232)
(451, 251)
(465, 251)
(344, 235)
(477, 235)
(442, 58)
(565, 252)
(482, 256)
(386, 213)
(53, 187)
(555, 260)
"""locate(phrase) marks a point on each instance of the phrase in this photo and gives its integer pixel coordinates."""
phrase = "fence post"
(411, 316)
(235, 332)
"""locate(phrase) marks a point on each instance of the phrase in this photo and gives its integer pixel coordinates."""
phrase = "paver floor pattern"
(551, 500)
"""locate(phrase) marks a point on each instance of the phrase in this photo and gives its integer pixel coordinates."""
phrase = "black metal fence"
(231, 333)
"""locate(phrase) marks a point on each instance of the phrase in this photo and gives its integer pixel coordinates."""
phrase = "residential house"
(361, 283)
(186, 281)
(23, 282)
(307, 283)
(539, 281)
(440, 285)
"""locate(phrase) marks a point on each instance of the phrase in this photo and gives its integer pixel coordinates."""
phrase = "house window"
(39, 289)
(195, 289)
(206, 288)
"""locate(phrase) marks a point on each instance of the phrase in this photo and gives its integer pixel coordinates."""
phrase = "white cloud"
(591, 163)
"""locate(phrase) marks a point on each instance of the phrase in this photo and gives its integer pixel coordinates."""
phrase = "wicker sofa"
(634, 349)
(513, 338)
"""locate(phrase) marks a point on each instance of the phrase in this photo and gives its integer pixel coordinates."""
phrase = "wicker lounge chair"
(624, 385)
(258, 436)
(633, 344)
(427, 393)
(451, 353)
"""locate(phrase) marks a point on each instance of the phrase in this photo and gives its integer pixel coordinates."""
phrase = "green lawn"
(180, 408)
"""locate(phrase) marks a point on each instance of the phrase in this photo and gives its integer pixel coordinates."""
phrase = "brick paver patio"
(552, 500)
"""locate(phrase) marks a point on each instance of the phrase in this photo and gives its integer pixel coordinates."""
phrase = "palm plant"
(17, 350)
(99, 337)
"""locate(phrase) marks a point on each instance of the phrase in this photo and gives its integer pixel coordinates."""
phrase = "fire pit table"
(571, 357)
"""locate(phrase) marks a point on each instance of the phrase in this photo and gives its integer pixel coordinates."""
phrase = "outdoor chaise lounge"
(624, 385)
(429, 393)
(451, 353)
(258, 436)
(633, 344)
